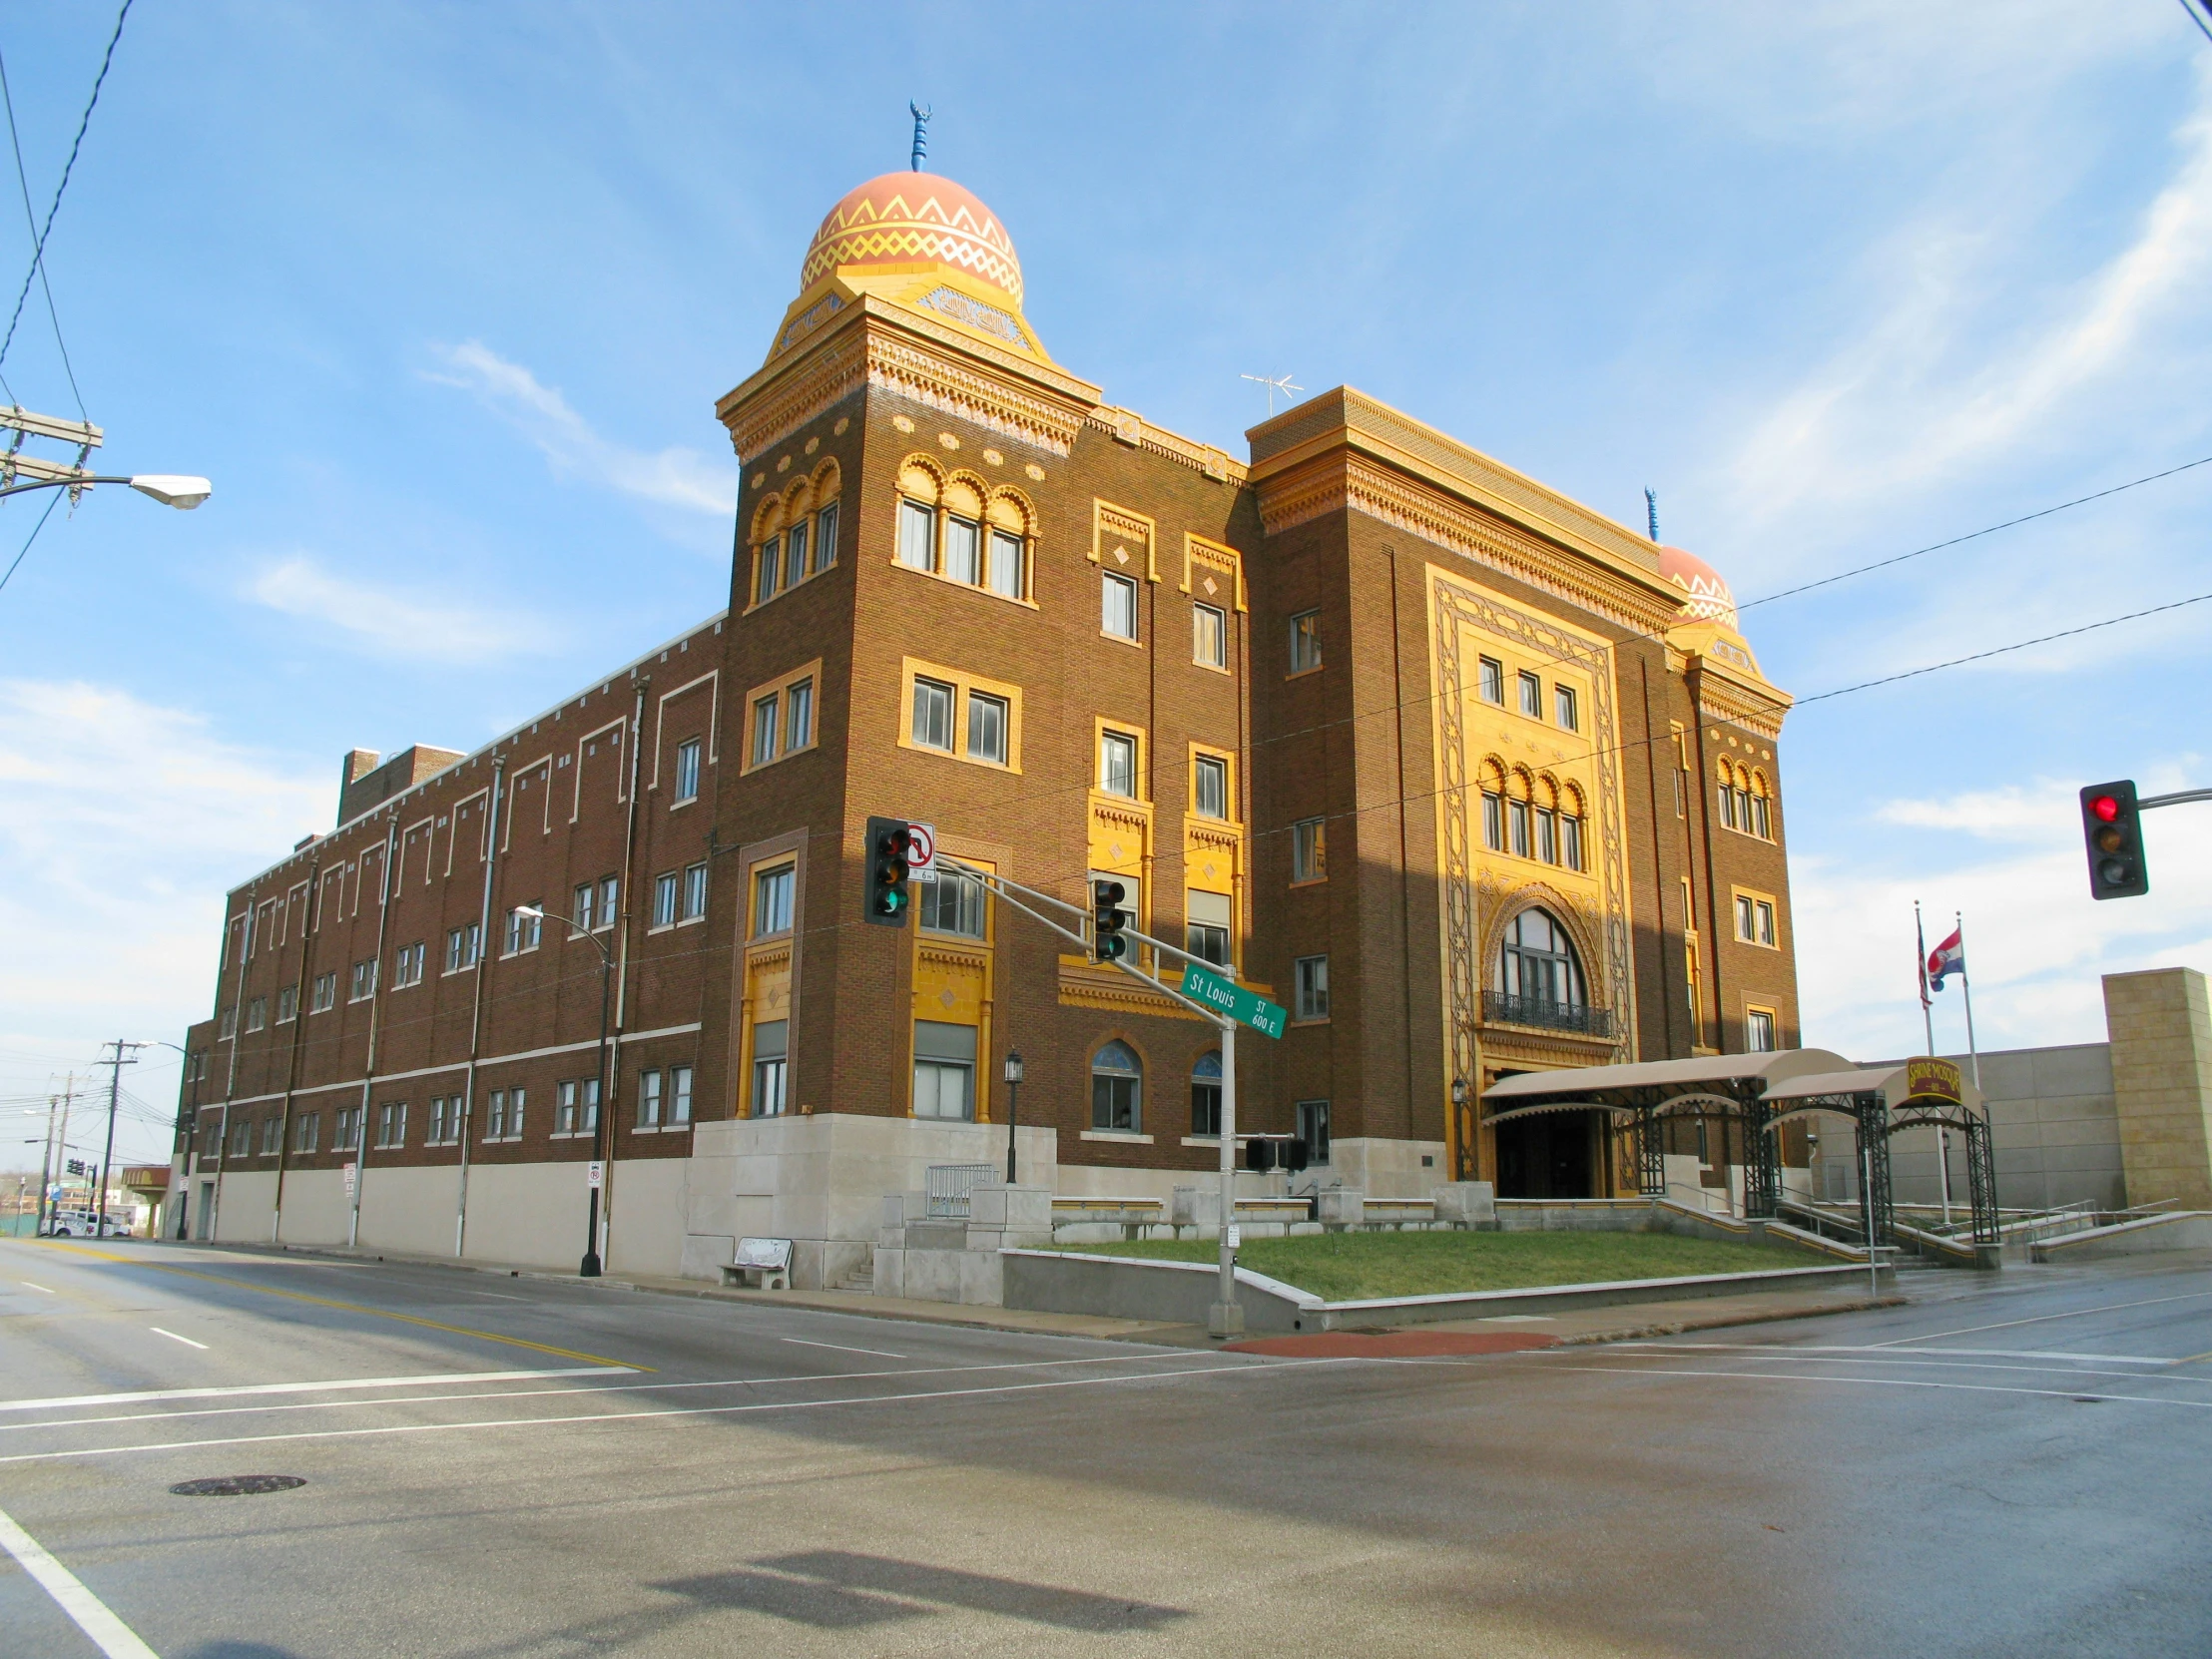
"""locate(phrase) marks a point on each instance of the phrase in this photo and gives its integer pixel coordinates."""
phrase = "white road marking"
(527, 1393)
(1520, 1319)
(110, 1634)
(1777, 1352)
(1888, 1383)
(881, 1353)
(41, 1289)
(2042, 1318)
(172, 1337)
(1277, 1368)
(61, 1401)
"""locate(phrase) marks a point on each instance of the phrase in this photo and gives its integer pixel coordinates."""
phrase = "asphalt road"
(2006, 1468)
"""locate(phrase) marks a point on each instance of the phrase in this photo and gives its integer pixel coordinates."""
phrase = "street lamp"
(170, 489)
(591, 1265)
(1466, 1129)
(1013, 1086)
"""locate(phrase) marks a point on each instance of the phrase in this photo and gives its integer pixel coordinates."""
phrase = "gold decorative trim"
(1091, 988)
(1724, 694)
(1196, 550)
(1340, 481)
(1110, 523)
(1127, 426)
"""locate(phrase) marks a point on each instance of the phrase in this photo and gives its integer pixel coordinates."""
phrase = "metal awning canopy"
(1891, 1083)
(1641, 1085)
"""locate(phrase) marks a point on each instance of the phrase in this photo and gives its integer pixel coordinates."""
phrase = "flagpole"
(1965, 987)
(1928, 1024)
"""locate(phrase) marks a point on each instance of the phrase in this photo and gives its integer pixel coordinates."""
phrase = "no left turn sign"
(921, 848)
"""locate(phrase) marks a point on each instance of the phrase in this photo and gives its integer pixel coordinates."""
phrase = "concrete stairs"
(862, 1279)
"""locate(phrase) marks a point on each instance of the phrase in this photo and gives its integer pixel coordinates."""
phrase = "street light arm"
(170, 489)
(574, 931)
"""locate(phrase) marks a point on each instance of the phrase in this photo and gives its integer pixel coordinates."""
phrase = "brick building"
(1469, 778)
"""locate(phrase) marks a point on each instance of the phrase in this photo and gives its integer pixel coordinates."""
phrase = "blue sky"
(441, 298)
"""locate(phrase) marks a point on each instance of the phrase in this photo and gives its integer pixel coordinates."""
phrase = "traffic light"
(1295, 1154)
(887, 873)
(1259, 1155)
(76, 1166)
(1107, 921)
(2112, 835)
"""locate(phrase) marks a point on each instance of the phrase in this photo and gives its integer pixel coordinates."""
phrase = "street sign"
(1228, 997)
(595, 1175)
(351, 1176)
(922, 845)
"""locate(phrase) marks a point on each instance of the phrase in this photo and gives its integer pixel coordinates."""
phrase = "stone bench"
(760, 1264)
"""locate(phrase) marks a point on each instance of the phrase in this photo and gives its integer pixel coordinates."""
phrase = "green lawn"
(1347, 1266)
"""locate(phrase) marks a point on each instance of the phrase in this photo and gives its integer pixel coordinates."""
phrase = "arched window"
(919, 493)
(1570, 828)
(1117, 1088)
(1007, 567)
(1493, 805)
(1206, 1094)
(1762, 820)
(1537, 972)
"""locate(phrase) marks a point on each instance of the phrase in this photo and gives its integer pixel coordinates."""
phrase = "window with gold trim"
(793, 535)
(964, 716)
(780, 715)
(962, 529)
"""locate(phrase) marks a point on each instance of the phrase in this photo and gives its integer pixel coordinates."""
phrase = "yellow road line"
(348, 1306)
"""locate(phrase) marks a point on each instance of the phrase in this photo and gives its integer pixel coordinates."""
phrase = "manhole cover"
(237, 1485)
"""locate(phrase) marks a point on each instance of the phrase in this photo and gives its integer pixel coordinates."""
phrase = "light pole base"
(590, 1269)
(1224, 1320)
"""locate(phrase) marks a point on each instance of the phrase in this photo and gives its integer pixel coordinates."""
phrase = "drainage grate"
(237, 1485)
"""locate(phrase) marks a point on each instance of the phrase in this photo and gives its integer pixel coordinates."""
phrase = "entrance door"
(207, 1211)
(1549, 1156)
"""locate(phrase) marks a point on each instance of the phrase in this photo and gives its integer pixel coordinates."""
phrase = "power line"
(52, 502)
(30, 220)
(2202, 27)
(38, 248)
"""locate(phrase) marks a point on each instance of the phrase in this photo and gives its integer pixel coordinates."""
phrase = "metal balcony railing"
(1554, 1016)
(948, 1186)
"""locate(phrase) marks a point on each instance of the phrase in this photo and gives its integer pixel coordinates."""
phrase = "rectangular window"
(1516, 819)
(525, 932)
(242, 1143)
(463, 946)
(1006, 563)
(1563, 706)
(226, 1022)
(1547, 836)
(798, 716)
(391, 1123)
(1494, 821)
(772, 902)
(453, 937)
(963, 551)
(610, 889)
(795, 554)
(649, 1100)
(1117, 763)
(1570, 840)
(664, 899)
(1728, 806)
(1118, 606)
(345, 1129)
(564, 1115)
(986, 727)
(407, 965)
(495, 1115)
(578, 1113)
(1492, 679)
(1305, 641)
(1313, 1128)
(1210, 792)
(1746, 921)
(1764, 923)
(687, 769)
(918, 535)
(1681, 796)
(826, 537)
(1210, 636)
(287, 1003)
(769, 1038)
(273, 1136)
(944, 1070)
(1207, 920)
(585, 894)
(770, 566)
(326, 993)
(695, 892)
(1531, 695)
(306, 1133)
(679, 1096)
(1311, 992)
(953, 904)
(435, 1135)
(1309, 849)
(257, 1014)
(1760, 825)
(932, 715)
(764, 730)
(1758, 1031)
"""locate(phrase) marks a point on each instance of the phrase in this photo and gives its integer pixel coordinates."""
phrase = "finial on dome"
(1651, 510)
(922, 134)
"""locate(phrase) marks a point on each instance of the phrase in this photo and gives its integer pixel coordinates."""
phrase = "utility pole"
(115, 1064)
(45, 1167)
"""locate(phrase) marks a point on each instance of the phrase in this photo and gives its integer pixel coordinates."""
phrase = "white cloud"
(122, 824)
(1938, 380)
(2010, 859)
(386, 621)
(672, 477)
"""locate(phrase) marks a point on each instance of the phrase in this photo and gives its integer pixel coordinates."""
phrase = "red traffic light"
(2105, 808)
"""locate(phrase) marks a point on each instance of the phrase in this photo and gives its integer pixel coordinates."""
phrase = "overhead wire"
(38, 246)
(46, 281)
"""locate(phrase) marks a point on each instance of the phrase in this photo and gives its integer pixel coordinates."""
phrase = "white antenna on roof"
(1281, 383)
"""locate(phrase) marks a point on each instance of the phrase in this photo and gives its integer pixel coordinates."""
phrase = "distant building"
(1469, 778)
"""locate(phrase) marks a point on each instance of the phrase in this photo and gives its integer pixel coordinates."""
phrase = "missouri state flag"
(1945, 960)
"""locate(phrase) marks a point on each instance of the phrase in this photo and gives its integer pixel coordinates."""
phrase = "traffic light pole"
(1226, 1317)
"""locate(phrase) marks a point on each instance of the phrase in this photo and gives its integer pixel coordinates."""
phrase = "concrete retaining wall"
(2182, 1230)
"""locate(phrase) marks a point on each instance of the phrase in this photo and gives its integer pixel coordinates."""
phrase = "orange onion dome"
(1705, 595)
(906, 219)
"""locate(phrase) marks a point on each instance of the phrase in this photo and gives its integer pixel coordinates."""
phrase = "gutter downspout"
(298, 1025)
(612, 1087)
(375, 1013)
(477, 1013)
(238, 1029)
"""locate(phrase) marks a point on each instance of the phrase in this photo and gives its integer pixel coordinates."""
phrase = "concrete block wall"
(2160, 1029)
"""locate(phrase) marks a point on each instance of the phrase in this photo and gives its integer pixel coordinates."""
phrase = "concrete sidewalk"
(1594, 1325)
